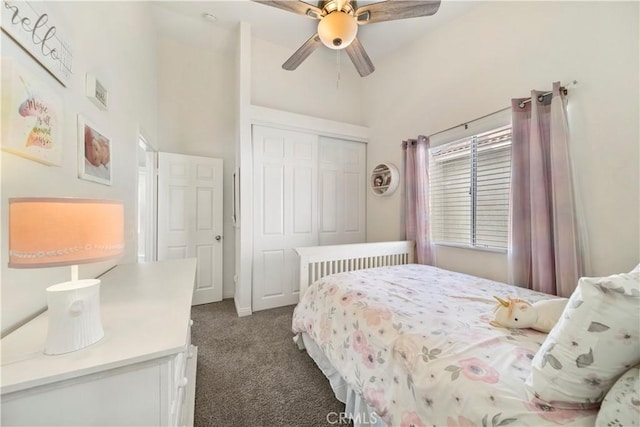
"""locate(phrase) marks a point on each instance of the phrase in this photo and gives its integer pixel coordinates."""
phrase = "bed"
(411, 345)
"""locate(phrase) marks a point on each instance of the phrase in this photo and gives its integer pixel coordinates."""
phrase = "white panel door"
(342, 191)
(190, 218)
(285, 217)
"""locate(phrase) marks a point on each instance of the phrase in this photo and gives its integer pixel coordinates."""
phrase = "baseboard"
(242, 311)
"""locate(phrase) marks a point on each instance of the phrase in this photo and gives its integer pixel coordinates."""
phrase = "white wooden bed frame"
(319, 261)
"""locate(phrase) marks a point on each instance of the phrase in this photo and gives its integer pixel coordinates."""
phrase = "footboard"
(320, 261)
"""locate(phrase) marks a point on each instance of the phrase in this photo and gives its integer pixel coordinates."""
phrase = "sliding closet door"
(284, 211)
(342, 191)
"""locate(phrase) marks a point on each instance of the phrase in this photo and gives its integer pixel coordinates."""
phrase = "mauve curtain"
(545, 248)
(416, 179)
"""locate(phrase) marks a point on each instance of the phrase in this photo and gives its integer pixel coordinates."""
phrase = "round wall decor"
(384, 179)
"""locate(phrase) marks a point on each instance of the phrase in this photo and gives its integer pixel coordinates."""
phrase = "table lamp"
(51, 232)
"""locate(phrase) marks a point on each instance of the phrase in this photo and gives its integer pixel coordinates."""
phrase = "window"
(469, 180)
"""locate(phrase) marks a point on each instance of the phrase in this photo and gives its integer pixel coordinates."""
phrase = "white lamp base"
(74, 316)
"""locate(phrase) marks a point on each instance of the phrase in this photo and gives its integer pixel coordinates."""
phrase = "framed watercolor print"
(32, 116)
(94, 153)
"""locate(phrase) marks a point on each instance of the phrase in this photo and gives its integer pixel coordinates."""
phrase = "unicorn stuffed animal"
(518, 313)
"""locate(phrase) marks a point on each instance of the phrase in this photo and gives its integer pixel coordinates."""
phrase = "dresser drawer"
(119, 397)
(186, 410)
(180, 381)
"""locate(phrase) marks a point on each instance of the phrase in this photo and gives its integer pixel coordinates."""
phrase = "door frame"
(151, 181)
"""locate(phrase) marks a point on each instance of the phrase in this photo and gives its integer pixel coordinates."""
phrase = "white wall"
(502, 50)
(118, 45)
(312, 89)
(197, 115)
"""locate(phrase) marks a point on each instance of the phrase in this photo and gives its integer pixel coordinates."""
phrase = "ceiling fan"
(338, 26)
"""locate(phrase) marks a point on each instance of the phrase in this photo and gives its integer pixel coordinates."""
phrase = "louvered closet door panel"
(284, 211)
(342, 191)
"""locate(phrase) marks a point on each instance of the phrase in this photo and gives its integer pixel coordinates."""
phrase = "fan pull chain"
(338, 67)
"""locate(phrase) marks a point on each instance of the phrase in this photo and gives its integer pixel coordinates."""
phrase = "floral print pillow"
(621, 406)
(595, 341)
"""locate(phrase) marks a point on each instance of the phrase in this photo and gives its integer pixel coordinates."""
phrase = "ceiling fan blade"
(360, 58)
(295, 6)
(395, 9)
(302, 53)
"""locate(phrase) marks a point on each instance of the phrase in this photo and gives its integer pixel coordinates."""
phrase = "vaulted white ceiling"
(183, 21)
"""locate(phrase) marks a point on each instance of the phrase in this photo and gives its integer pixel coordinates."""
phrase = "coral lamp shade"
(337, 30)
(49, 232)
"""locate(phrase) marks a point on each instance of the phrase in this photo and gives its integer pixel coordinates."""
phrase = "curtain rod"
(466, 125)
(564, 88)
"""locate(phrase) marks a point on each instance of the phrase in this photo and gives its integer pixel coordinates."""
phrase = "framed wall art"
(32, 116)
(94, 153)
(33, 27)
(96, 92)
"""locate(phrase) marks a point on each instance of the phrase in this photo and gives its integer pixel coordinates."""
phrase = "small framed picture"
(94, 153)
(96, 92)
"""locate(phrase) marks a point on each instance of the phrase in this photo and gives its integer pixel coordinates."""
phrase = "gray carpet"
(250, 373)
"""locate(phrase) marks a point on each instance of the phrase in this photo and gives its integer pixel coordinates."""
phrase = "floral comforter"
(416, 343)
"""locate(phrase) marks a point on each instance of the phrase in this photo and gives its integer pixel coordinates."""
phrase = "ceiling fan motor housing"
(337, 30)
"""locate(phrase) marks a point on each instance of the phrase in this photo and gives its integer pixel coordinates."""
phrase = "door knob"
(218, 237)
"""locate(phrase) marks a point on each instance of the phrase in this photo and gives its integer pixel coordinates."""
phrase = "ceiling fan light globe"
(337, 30)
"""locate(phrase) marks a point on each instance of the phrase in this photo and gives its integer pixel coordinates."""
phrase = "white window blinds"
(469, 181)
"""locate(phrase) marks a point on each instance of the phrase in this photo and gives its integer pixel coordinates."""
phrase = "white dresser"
(141, 373)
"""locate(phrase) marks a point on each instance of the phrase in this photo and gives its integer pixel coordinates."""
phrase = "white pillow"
(621, 406)
(595, 341)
